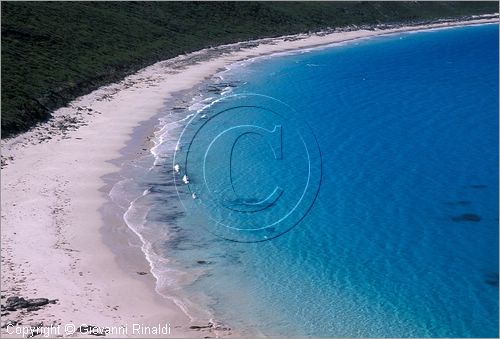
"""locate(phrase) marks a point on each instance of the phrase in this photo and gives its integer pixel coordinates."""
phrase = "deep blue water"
(402, 238)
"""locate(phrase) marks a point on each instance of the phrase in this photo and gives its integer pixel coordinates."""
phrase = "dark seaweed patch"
(466, 217)
(492, 279)
(459, 203)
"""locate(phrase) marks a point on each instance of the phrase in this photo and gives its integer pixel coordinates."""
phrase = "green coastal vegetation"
(53, 52)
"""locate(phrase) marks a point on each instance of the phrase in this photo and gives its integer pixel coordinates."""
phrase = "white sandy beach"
(53, 189)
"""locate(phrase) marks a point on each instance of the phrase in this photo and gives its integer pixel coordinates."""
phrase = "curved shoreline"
(58, 179)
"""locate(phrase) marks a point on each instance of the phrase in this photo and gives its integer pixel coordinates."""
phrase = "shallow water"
(399, 134)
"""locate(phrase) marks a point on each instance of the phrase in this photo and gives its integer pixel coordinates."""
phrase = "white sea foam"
(167, 277)
(226, 91)
(137, 203)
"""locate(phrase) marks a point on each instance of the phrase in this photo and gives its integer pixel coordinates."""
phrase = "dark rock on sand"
(98, 334)
(466, 217)
(200, 327)
(38, 302)
(33, 308)
(211, 326)
(16, 303)
(142, 273)
(91, 330)
(9, 322)
(86, 328)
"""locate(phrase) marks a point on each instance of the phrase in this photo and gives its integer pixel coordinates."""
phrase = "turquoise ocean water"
(395, 139)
